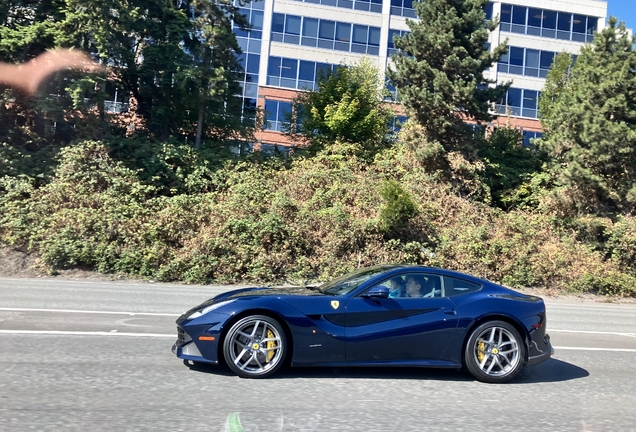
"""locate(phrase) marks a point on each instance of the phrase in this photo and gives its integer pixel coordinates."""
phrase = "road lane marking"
(592, 332)
(595, 349)
(86, 333)
(163, 335)
(88, 312)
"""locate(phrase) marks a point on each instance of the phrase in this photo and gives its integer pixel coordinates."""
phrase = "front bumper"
(197, 341)
(190, 352)
(543, 354)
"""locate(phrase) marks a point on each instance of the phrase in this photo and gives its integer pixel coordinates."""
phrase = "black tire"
(255, 346)
(494, 352)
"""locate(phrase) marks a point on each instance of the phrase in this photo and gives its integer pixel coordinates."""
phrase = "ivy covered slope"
(308, 218)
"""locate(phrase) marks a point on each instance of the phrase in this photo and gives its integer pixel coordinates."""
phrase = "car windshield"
(347, 283)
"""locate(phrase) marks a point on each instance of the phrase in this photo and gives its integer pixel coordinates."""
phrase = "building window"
(530, 135)
(321, 33)
(392, 95)
(547, 23)
(403, 8)
(391, 49)
(277, 115)
(250, 43)
(488, 11)
(361, 5)
(519, 102)
(397, 123)
(296, 74)
(273, 149)
(250, 63)
(526, 61)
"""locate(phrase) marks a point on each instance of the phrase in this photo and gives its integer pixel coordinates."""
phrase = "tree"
(348, 107)
(28, 142)
(556, 82)
(590, 119)
(177, 60)
(144, 43)
(439, 70)
(215, 72)
(508, 164)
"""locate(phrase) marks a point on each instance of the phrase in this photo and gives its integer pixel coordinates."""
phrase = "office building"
(292, 39)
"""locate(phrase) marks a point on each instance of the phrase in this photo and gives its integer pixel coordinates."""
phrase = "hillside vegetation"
(308, 218)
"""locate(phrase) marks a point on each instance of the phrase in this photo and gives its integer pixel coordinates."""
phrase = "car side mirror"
(377, 292)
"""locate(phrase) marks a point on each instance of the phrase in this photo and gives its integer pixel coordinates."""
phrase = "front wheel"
(255, 346)
(494, 352)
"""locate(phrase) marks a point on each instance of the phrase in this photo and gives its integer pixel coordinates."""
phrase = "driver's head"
(413, 287)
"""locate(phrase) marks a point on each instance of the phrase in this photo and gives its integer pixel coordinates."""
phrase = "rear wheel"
(494, 352)
(255, 347)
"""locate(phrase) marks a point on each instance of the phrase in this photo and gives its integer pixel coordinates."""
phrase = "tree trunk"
(197, 141)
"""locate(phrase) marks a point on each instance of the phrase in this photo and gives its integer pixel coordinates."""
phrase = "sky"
(624, 10)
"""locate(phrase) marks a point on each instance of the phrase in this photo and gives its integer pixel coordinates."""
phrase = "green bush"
(621, 243)
(398, 207)
(611, 284)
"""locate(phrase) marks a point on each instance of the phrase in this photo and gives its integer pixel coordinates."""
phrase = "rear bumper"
(544, 353)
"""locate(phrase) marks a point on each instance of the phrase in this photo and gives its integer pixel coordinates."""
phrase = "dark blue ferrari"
(393, 315)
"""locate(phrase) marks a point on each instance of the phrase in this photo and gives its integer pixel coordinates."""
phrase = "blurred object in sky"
(28, 76)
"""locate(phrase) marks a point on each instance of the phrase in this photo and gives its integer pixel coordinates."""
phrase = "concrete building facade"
(292, 39)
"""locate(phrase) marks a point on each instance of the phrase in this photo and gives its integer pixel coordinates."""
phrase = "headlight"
(207, 309)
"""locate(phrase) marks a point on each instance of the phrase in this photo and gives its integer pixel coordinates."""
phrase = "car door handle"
(450, 311)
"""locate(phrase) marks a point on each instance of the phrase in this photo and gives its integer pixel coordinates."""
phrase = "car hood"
(262, 291)
(255, 292)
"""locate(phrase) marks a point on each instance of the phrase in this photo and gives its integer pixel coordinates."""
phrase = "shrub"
(398, 207)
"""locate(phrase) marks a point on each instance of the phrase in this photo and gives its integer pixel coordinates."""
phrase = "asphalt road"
(95, 356)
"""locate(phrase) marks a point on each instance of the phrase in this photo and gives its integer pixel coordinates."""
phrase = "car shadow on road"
(552, 370)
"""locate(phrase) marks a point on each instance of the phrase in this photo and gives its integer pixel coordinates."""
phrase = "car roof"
(400, 268)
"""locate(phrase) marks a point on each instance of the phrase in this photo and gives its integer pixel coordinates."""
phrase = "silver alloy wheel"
(255, 346)
(496, 352)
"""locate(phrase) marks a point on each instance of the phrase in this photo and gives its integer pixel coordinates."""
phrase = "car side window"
(454, 286)
(434, 286)
(413, 285)
(410, 285)
(391, 284)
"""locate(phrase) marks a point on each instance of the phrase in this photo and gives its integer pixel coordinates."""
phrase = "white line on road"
(87, 312)
(82, 333)
(595, 349)
(592, 332)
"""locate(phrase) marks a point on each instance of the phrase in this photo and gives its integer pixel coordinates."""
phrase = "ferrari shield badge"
(335, 304)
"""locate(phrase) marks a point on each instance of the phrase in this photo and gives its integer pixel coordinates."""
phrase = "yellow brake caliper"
(270, 344)
(481, 346)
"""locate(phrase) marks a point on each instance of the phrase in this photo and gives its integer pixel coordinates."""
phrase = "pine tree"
(439, 70)
(556, 82)
(215, 71)
(591, 123)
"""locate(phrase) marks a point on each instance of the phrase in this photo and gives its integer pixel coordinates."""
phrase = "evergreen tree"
(215, 72)
(556, 82)
(439, 69)
(28, 28)
(590, 119)
(143, 42)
